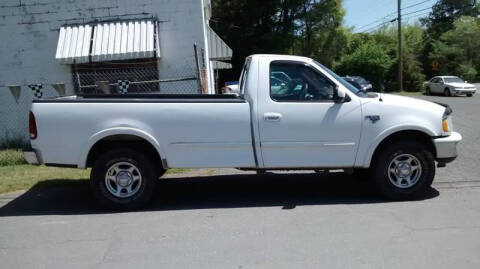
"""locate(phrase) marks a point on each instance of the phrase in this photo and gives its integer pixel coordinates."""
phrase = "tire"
(469, 95)
(119, 163)
(420, 180)
(361, 174)
(447, 92)
(427, 91)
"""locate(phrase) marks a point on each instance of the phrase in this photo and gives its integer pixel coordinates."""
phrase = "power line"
(391, 14)
(370, 29)
(381, 19)
(405, 14)
(417, 4)
(416, 11)
(378, 26)
(416, 15)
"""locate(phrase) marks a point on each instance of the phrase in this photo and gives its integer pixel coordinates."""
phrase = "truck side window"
(290, 81)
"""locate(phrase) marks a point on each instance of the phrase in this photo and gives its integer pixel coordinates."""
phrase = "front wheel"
(123, 179)
(403, 170)
(469, 95)
(428, 91)
(447, 92)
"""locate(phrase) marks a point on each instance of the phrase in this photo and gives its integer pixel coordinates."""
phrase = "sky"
(366, 15)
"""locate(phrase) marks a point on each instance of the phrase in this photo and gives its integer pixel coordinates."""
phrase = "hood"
(409, 103)
(460, 85)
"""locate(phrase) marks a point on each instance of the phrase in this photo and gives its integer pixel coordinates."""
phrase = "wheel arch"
(128, 137)
(415, 134)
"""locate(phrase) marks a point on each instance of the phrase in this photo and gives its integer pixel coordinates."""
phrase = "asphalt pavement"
(229, 219)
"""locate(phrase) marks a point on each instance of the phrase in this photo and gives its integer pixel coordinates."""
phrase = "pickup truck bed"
(143, 97)
(183, 127)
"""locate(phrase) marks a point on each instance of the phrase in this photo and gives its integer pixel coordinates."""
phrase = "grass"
(22, 177)
(10, 157)
(16, 175)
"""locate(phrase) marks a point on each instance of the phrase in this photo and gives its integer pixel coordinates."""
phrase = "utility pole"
(400, 62)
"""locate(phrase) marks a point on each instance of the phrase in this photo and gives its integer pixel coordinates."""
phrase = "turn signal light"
(446, 128)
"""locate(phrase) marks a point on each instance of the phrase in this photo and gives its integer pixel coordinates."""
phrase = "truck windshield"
(350, 87)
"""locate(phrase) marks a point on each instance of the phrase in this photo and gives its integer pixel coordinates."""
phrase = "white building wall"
(29, 33)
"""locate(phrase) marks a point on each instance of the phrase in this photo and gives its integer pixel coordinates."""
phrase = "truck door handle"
(272, 116)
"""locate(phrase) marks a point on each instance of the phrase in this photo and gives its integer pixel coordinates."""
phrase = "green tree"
(413, 76)
(387, 39)
(369, 60)
(441, 20)
(445, 12)
(457, 51)
(302, 27)
(320, 32)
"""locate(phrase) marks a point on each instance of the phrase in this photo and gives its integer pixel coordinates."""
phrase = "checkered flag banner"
(37, 90)
(123, 86)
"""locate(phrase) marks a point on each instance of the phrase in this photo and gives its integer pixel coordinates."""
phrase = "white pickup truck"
(303, 117)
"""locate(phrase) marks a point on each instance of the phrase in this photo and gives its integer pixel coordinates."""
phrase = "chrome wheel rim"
(123, 179)
(404, 171)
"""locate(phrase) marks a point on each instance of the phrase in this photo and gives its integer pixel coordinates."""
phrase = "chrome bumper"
(447, 147)
(31, 157)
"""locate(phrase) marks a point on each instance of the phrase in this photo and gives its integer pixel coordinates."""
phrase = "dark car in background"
(359, 83)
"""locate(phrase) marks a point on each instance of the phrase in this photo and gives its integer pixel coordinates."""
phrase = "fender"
(408, 126)
(82, 162)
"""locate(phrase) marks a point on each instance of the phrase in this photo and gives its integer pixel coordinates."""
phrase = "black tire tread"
(143, 163)
(380, 163)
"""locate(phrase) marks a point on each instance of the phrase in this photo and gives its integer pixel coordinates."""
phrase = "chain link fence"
(134, 77)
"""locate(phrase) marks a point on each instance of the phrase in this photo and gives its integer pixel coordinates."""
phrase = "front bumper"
(446, 147)
(464, 91)
(31, 156)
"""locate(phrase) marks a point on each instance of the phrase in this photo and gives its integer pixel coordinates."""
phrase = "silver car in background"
(449, 86)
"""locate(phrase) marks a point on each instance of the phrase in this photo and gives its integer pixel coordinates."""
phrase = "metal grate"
(141, 76)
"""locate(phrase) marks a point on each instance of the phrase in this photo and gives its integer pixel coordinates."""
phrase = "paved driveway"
(226, 219)
(466, 120)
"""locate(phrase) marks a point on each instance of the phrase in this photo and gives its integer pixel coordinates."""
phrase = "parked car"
(449, 86)
(230, 87)
(359, 83)
(315, 121)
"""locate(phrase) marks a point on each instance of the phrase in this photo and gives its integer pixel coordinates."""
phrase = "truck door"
(300, 124)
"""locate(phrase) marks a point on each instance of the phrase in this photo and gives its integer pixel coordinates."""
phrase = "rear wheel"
(123, 179)
(403, 170)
